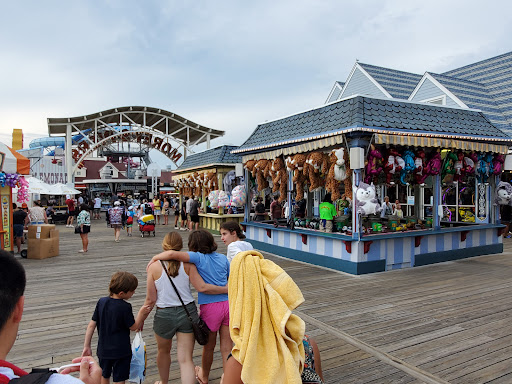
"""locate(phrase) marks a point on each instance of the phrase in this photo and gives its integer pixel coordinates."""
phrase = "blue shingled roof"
(362, 111)
(474, 95)
(219, 155)
(399, 84)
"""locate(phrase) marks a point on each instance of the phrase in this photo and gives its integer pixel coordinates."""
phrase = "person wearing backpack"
(12, 288)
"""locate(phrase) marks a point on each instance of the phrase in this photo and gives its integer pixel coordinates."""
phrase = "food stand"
(12, 164)
(201, 173)
(441, 164)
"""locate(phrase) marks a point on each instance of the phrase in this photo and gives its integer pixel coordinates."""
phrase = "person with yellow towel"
(268, 338)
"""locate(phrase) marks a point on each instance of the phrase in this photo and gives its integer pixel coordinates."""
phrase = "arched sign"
(156, 128)
(93, 142)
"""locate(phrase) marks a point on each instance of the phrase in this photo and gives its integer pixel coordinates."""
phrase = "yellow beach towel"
(267, 336)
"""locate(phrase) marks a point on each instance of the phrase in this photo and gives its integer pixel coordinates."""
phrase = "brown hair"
(173, 242)
(233, 226)
(122, 282)
(201, 241)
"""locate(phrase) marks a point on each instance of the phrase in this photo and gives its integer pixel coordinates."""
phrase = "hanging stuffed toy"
(316, 165)
(497, 163)
(484, 167)
(433, 167)
(296, 165)
(419, 163)
(391, 168)
(366, 203)
(22, 195)
(260, 172)
(223, 199)
(409, 166)
(213, 196)
(373, 166)
(239, 196)
(333, 181)
(449, 164)
(280, 178)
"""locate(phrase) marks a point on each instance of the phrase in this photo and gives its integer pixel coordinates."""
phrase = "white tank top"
(166, 295)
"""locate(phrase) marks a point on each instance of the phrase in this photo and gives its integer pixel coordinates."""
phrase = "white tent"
(63, 189)
(38, 186)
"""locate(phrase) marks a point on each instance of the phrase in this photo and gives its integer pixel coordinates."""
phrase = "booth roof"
(388, 115)
(220, 155)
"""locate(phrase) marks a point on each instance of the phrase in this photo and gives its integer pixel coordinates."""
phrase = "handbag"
(77, 229)
(201, 330)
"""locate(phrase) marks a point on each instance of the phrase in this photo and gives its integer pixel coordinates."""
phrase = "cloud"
(228, 65)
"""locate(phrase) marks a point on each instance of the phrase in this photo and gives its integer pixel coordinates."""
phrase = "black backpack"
(147, 209)
(37, 376)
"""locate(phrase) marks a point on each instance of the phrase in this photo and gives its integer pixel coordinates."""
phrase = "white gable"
(360, 82)
(429, 90)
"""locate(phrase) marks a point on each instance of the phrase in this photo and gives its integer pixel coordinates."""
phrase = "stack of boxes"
(43, 241)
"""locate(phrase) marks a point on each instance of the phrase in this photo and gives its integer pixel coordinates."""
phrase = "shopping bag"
(139, 360)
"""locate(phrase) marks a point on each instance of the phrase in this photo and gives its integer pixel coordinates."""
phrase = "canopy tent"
(12, 162)
(63, 189)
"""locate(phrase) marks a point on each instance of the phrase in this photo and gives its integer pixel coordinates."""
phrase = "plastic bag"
(139, 360)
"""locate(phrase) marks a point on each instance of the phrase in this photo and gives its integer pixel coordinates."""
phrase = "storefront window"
(405, 195)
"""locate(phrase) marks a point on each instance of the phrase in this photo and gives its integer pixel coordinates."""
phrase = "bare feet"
(199, 375)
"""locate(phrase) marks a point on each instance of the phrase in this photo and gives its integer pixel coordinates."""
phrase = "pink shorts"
(215, 314)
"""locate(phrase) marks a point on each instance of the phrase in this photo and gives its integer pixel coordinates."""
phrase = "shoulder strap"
(176, 290)
(37, 376)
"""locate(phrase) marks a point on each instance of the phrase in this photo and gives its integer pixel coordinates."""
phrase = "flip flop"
(197, 369)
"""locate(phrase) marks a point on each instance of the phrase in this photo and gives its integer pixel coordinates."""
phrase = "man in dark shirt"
(259, 210)
(194, 215)
(19, 221)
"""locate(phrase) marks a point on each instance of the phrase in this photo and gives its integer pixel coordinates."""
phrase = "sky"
(224, 64)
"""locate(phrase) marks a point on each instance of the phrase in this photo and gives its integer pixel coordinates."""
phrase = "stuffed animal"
(348, 180)
(468, 166)
(366, 203)
(503, 194)
(249, 165)
(210, 182)
(449, 165)
(335, 174)
(419, 162)
(391, 167)
(459, 167)
(280, 179)
(259, 171)
(433, 167)
(238, 196)
(409, 166)
(373, 165)
(316, 164)
(296, 164)
(23, 196)
(484, 167)
(497, 163)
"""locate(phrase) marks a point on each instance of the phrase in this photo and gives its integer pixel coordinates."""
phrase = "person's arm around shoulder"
(199, 284)
(170, 255)
(87, 351)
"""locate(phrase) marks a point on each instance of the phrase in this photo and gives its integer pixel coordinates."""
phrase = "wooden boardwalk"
(447, 322)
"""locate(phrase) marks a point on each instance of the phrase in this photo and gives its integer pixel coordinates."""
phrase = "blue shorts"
(18, 230)
(118, 368)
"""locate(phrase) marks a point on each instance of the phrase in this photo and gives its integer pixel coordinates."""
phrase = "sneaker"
(182, 229)
(175, 227)
(508, 236)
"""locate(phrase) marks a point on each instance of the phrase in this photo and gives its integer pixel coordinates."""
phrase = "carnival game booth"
(439, 166)
(212, 176)
(12, 167)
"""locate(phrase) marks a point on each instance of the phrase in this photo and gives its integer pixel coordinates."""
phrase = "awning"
(300, 148)
(422, 141)
(80, 186)
(12, 162)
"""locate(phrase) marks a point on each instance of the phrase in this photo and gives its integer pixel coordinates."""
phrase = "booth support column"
(247, 210)
(69, 159)
(356, 217)
(437, 202)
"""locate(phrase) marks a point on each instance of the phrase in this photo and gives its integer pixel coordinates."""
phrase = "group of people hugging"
(243, 297)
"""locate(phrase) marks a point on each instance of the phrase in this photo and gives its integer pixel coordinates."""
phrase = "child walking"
(130, 217)
(114, 318)
(231, 234)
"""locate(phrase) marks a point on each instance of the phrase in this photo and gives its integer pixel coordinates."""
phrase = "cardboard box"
(43, 248)
(40, 231)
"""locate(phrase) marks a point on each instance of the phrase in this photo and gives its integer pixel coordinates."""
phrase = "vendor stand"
(12, 165)
(441, 164)
(211, 170)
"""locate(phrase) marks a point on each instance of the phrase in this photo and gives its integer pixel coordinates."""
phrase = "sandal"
(199, 370)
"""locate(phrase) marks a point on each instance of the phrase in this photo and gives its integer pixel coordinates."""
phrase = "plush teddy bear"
(336, 174)
(348, 180)
(280, 178)
(261, 168)
(249, 165)
(296, 164)
(211, 183)
(366, 203)
(316, 164)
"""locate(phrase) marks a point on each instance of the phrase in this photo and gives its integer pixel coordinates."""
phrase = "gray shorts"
(170, 320)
